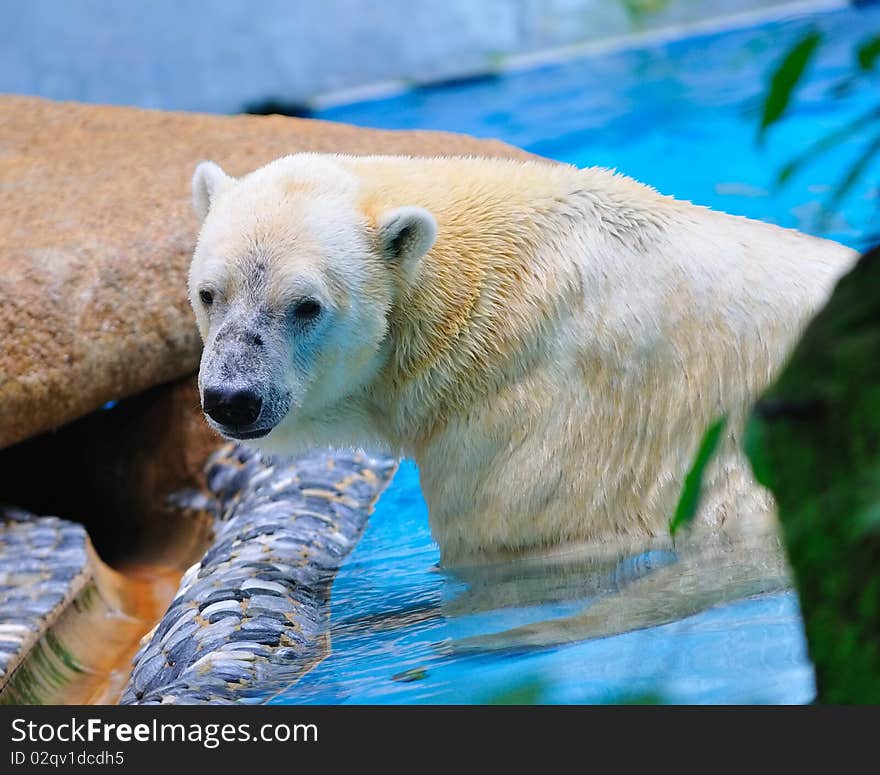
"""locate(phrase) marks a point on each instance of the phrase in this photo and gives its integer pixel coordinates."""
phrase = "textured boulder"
(96, 234)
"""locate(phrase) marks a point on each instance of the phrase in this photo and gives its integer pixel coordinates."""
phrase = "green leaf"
(529, 692)
(826, 143)
(639, 9)
(868, 53)
(855, 172)
(693, 483)
(754, 445)
(786, 78)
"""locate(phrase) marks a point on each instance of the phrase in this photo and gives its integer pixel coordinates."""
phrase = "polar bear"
(548, 343)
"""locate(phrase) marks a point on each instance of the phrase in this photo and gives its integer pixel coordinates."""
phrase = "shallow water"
(394, 611)
(681, 117)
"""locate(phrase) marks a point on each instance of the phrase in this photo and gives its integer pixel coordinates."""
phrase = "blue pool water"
(682, 117)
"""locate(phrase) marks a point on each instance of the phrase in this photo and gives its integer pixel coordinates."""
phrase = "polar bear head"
(292, 282)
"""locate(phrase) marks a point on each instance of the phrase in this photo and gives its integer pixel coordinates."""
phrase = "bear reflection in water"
(584, 593)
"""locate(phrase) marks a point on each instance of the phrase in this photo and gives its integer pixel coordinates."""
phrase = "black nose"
(232, 407)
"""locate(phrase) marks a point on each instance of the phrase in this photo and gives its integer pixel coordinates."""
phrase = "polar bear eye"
(306, 310)
(207, 298)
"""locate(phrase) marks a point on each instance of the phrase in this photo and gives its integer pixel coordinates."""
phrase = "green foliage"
(786, 78)
(826, 143)
(784, 81)
(637, 10)
(530, 692)
(814, 441)
(854, 172)
(689, 501)
(868, 52)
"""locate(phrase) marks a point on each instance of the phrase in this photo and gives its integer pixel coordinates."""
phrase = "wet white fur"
(550, 349)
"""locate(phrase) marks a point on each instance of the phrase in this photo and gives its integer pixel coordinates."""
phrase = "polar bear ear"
(207, 181)
(405, 235)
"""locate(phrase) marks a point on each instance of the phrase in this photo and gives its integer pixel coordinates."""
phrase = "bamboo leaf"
(529, 692)
(638, 10)
(854, 172)
(786, 77)
(868, 53)
(689, 501)
(826, 143)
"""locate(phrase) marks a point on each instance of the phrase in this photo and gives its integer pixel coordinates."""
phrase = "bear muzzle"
(234, 411)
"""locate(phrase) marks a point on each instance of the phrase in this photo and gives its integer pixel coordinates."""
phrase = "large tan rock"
(96, 234)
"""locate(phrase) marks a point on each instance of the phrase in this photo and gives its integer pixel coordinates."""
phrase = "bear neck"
(561, 349)
(484, 298)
